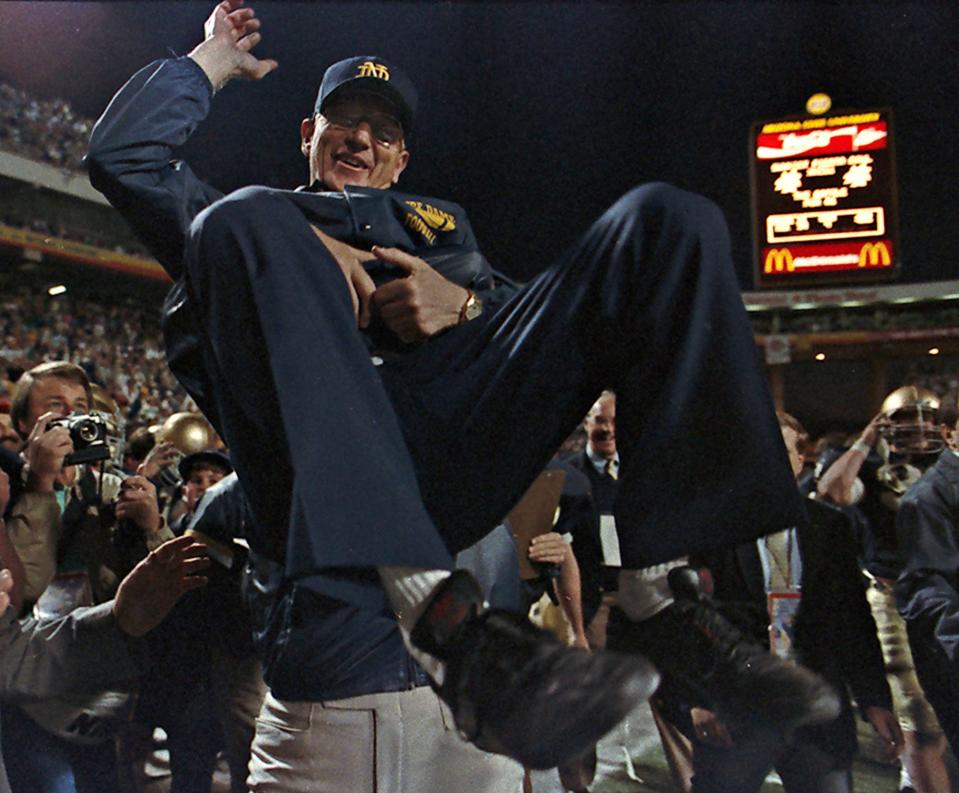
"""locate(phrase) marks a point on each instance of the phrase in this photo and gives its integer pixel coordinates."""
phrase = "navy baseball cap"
(207, 457)
(371, 74)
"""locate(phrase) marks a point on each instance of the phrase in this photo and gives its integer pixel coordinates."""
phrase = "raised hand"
(138, 502)
(231, 31)
(6, 584)
(158, 458)
(45, 451)
(153, 587)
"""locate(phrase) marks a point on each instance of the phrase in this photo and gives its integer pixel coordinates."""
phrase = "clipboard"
(533, 515)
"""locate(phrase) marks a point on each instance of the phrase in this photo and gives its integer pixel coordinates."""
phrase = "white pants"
(398, 742)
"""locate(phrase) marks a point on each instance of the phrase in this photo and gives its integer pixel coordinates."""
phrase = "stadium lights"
(59, 289)
(905, 300)
(933, 350)
(820, 356)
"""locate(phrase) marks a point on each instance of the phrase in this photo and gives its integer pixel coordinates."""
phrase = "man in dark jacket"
(387, 398)
(927, 591)
(832, 633)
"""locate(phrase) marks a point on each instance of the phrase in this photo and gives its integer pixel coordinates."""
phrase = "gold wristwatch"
(471, 309)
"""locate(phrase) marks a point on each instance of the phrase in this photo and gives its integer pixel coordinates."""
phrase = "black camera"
(88, 431)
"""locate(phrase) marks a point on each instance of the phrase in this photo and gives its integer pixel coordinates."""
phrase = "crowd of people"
(117, 342)
(47, 130)
(58, 230)
(868, 318)
(202, 682)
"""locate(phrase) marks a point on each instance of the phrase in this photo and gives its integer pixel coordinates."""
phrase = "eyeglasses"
(385, 129)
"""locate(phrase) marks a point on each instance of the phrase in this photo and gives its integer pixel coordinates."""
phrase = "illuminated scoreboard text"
(824, 200)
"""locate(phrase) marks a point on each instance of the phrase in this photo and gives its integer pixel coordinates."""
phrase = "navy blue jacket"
(131, 161)
(928, 528)
(927, 592)
(314, 647)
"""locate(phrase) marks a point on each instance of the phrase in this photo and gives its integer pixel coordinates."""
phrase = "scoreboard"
(824, 200)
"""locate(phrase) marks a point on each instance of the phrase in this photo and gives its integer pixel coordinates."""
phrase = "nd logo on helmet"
(778, 261)
(874, 254)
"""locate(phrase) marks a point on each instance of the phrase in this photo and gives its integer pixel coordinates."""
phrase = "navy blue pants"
(803, 767)
(401, 464)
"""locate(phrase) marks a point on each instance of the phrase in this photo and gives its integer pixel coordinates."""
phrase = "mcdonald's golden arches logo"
(778, 261)
(370, 69)
(874, 254)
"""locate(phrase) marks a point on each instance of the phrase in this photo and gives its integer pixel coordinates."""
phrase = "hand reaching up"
(231, 31)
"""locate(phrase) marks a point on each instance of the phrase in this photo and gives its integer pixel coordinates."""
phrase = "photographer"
(59, 524)
(78, 531)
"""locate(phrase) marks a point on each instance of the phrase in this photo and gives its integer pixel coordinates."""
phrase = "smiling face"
(362, 156)
(600, 425)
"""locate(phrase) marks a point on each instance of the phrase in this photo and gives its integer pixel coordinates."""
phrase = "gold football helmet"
(912, 427)
(189, 433)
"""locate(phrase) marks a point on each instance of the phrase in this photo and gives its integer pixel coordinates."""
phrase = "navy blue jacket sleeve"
(926, 524)
(131, 155)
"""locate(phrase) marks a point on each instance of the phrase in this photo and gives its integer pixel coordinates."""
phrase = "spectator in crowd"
(74, 556)
(205, 685)
(47, 541)
(798, 592)
(927, 591)
(88, 648)
(139, 443)
(119, 348)
(590, 521)
(48, 130)
(599, 463)
(8, 435)
(890, 454)
(199, 472)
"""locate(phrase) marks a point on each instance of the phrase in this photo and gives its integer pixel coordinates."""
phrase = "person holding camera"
(50, 524)
(88, 647)
(78, 531)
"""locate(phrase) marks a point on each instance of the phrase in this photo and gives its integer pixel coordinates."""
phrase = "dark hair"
(948, 414)
(140, 442)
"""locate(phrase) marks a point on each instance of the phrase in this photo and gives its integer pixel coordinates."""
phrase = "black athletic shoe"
(743, 678)
(517, 690)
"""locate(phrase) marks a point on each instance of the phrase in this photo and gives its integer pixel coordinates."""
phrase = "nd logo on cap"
(371, 69)
(371, 74)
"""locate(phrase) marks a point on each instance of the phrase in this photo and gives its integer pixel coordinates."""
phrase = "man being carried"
(370, 325)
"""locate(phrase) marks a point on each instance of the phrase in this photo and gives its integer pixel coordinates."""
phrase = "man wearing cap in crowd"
(387, 397)
(199, 472)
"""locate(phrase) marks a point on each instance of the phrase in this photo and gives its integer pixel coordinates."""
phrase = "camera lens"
(87, 431)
